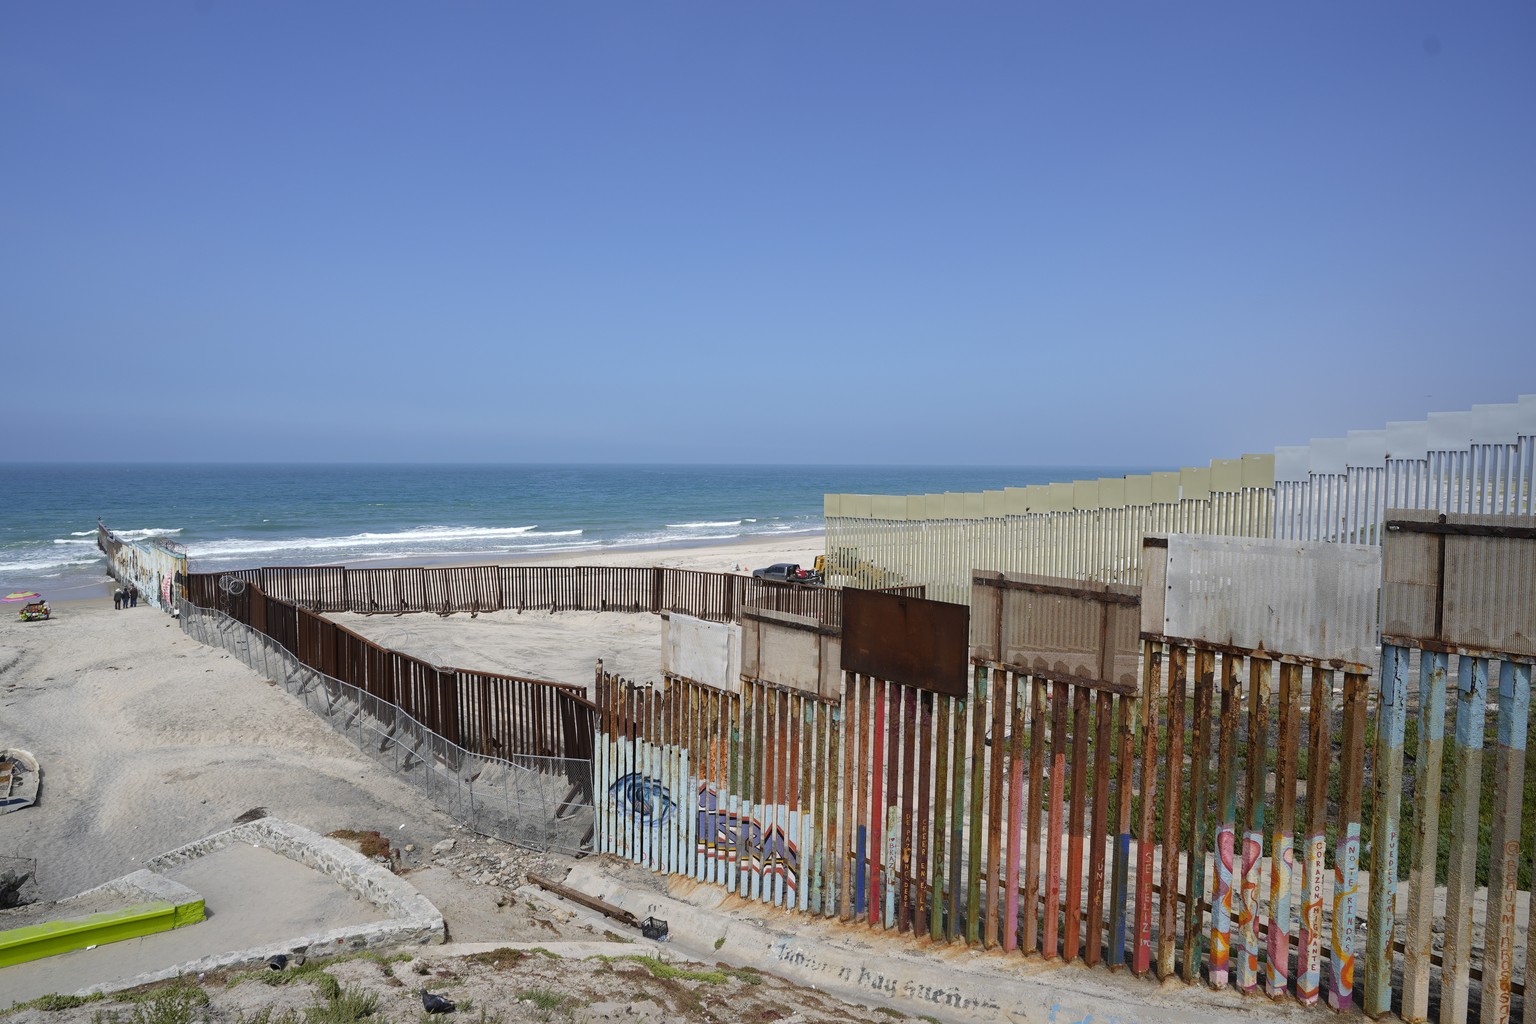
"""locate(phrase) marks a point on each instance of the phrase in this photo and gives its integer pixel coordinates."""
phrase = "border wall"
(1480, 461)
(1181, 779)
(156, 568)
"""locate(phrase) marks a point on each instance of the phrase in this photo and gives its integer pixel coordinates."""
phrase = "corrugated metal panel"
(1058, 628)
(1490, 596)
(1485, 602)
(1309, 600)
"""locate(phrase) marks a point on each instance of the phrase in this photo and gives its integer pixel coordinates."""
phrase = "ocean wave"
(139, 534)
(402, 543)
(43, 560)
(706, 525)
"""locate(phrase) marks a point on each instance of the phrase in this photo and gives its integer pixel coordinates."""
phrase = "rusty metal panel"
(1461, 580)
(1076, 631)
(1310, 600)
(908, 640)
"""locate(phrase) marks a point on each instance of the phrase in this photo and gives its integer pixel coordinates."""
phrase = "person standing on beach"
(133, 597)
(117, 599)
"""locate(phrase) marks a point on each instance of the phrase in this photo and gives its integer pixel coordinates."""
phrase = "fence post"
(1428, 762)
(1504, 857)
(1387, 769)
(1461, 881)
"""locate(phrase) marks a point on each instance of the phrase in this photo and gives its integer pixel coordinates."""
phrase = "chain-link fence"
(543, 803)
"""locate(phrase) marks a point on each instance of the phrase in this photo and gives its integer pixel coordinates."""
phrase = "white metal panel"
(1449, 431)
(1407, 439)
(1293, 462)
(1307, 600)
(1367, 447)
(1329, 455)
(706, 652)
(1501, 424)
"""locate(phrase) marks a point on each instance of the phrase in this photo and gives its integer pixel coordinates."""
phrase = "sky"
(789, 232)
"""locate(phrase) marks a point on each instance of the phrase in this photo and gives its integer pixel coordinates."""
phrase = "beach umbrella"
(21, 595)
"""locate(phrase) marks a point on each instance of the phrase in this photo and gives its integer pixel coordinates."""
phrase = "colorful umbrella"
(21, 595)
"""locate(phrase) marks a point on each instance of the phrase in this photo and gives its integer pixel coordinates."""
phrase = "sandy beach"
(148, 740)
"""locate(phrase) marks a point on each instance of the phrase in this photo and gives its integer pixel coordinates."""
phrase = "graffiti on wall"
(732, 836)
(722, 833)
(647, 801)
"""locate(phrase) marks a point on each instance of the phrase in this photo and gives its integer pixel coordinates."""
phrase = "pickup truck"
(788, 572)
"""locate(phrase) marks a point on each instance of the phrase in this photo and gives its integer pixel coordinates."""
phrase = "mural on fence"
(759, 846)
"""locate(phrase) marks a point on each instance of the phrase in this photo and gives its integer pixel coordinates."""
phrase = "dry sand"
(148, 741)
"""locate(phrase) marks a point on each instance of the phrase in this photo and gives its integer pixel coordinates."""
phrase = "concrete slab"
(253, 896)
(869, 966)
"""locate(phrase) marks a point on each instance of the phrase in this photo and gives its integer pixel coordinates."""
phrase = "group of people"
(125, 597)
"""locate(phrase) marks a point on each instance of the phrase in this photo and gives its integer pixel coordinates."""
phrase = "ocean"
(239, 516)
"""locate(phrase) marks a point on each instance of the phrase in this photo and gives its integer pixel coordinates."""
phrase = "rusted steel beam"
(1076, 823)
(1054, 813)
(923, 919)
(943, 767)
(909, 748)
(956, 818)
(1168, 899)
(894, 725)
(1282, 860)
(1461, 881)
(1103, 763)
(1504, 857)
(995, 753)
(1226, 823)
(1346, 857)
(1120, 864)
(1018, 690)
(1309, 950)
(1151, 700)
(877, 805)
(1200, 755)
(973, 906)
(1387, 780)
(1256, 755)
(1037, 740)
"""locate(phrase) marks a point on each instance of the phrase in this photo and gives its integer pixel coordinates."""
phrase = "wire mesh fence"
(542, 803)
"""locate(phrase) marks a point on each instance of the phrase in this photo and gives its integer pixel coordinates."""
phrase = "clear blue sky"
(1134, 234)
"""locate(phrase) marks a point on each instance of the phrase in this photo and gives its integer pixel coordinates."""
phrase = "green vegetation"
(173, 1004)
(666, 971)
(53, 1001)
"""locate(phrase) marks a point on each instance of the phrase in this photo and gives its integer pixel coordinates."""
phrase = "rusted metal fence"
(715, 596)
(487, 713)
(1129, 777)
(539, 802)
